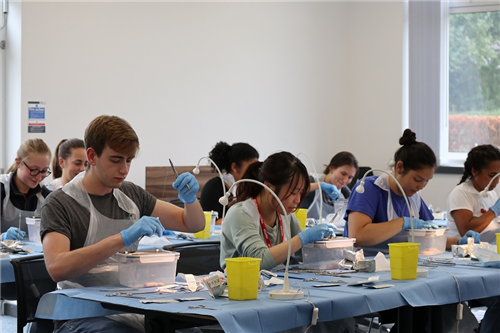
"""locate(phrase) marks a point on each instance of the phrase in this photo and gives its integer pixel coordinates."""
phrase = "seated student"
(468, 210)
(233, 162)
(21, 193)
(70, 158)
(380, 215)
(337, 175)
(99, 214)
(255, 226)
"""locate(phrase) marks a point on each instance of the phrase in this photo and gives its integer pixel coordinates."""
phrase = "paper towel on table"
(381, 263)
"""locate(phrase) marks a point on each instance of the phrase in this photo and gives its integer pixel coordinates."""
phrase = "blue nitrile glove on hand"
(187, 185)
(470, 233)
(13, 233)
(418, 224)
(496, 208)
(331, 190)
(316, 233)
(145, 226)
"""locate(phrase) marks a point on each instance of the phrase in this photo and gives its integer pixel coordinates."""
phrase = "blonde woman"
(21, 193)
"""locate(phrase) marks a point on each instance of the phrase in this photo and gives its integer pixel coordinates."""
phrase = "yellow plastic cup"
(242, 277)
(404, 260)
(301, 214)
(498, 243)
(205, 233)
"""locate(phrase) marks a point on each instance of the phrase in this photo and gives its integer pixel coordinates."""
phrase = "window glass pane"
(474, 80)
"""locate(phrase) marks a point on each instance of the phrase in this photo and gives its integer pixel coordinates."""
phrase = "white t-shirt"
(465, 196)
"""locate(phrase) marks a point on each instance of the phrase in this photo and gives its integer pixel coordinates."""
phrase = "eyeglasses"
(36, 172)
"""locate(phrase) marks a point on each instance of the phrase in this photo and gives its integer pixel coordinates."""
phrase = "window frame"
(428, 66)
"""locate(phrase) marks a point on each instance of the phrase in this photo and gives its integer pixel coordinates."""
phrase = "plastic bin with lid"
(147, 268)
(432, 241)
(326, 254)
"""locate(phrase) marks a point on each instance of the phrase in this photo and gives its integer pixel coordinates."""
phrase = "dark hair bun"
(409, 137)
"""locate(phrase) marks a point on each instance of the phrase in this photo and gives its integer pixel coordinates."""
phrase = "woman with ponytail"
(380, 215)
(255, 226)
(468, 210)
(21, 193)
(70, 158)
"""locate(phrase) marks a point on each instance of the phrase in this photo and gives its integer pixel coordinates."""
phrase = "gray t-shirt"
(63, 214)
(243, 237)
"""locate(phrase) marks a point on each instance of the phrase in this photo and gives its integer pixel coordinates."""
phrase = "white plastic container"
(432, 241)
(147, 268)
(33, 224)
(326, 254)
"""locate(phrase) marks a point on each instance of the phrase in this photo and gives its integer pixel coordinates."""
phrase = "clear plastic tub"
(432, 241)
(326, 254)
(147, 268)
(33, 224)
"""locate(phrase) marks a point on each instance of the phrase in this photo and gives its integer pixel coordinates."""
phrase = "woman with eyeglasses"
(21, 193)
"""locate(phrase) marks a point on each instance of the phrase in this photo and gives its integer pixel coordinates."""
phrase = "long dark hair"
(278, 169)
(415, 155)
(478, 158)
(225, 155)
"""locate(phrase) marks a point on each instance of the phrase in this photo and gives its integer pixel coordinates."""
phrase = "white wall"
(304, 77)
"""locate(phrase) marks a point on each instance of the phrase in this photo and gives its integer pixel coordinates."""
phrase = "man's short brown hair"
(112, 131)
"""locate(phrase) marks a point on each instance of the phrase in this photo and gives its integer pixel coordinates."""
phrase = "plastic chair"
(32, 281)
(359, 175)
(197, 258)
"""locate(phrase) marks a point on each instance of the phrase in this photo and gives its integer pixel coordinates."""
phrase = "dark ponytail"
(225, 155)
(278, 169)
(64, 150)
(478, 158)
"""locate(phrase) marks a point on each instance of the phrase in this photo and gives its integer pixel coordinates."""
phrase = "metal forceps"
(323, 281)
(175, 172)
(201, 306)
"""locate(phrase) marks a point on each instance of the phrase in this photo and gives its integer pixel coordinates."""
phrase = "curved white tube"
(196, 171)
(361, 189)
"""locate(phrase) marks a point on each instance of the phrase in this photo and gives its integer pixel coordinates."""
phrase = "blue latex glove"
(316, 233)
(145, 226)
(13, 233)
(187, 185)
(496, 208)
(418, 224)
(331, 190)
(468, 234)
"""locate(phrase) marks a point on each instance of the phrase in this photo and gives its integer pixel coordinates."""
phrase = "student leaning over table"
(233, 161)
(380, 215)
(333, 184)
(99, 213)
(21, 193)
(254, 226)
(468, 210)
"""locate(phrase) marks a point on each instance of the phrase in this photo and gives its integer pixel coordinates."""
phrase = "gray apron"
(13, 216)
(100, 227)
